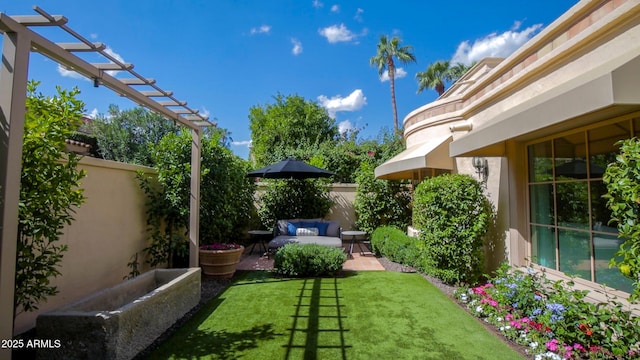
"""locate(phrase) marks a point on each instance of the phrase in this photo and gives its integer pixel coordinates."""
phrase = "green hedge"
(309, 260)
(396, 246)
(453, 216)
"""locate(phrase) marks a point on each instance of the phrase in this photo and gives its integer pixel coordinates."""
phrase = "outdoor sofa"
(306, 231)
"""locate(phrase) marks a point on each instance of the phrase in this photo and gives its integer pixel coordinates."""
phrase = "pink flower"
(552, 345)
(220, 246)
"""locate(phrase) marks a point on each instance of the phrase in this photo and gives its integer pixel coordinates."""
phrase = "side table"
(259, 237)
(353, 234)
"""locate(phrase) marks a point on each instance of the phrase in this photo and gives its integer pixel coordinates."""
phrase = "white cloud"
(358, 16)
(399, 73)
(264, 29)
(93, 114)
(344, 127)
(204, 112)
(246, 143)
(70, 73)
(317, 4)
(354, 101)
(494, 45)
(335, 8)
(93, 36)
(297, 46)
(337, 33)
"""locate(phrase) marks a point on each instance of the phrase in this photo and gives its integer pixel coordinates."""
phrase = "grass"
(365, 315)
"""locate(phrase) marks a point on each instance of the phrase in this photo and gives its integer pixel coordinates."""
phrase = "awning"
(600, 96)
(433, 154)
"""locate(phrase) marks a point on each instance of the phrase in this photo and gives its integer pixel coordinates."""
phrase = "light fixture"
(96, 82)
(482, 168)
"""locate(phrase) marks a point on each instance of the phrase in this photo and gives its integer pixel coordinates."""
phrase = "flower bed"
(553, 319)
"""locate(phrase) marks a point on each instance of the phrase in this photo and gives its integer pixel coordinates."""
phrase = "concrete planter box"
(119, 322)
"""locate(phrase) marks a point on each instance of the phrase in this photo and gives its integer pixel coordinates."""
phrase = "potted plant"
(220, 259)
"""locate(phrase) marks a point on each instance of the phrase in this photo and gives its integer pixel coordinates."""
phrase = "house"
(539, 127)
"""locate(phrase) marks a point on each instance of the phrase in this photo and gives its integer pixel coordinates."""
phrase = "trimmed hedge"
(396, 246)
(453, 216)
(309, 260)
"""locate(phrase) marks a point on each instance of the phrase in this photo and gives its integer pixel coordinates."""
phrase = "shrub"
(380, 202)
(453, 216)
(295, 198)
(309, 260)
(623, 186)
(395, 245)
(49, 193)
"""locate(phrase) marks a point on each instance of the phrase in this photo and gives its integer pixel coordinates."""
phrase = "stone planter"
(220, 263)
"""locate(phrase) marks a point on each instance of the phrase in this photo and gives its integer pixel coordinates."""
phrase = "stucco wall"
(108, 229)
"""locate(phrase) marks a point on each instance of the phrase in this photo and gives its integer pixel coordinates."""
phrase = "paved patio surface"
(360, 261)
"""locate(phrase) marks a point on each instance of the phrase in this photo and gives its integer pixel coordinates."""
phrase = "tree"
(383, 60)
(622, 179)
(125, 135)
(49, 192)
(439, 72)
(292, 126)
(226, 195)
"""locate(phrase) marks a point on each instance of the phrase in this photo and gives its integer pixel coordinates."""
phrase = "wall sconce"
(482, 169)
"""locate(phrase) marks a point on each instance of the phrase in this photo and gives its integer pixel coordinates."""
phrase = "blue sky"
(223, 57)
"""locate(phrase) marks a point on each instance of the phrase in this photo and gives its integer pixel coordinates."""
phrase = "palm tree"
(439, 72)
(383, 60)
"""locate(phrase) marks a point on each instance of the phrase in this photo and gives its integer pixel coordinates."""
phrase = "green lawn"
(366, 315)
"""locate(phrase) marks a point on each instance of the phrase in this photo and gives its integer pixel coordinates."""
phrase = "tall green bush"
(380, 202)
(294, 198)
(49, 192)
(622, 178)
(226, 195)
(453, 216)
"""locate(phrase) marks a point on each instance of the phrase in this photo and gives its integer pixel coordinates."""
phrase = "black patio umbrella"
(290, 169)
(577, 169)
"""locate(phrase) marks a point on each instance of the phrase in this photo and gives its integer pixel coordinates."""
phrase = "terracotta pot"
(220, 263)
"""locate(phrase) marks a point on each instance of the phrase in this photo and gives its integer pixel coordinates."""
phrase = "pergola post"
(194, 198)
(13, 92)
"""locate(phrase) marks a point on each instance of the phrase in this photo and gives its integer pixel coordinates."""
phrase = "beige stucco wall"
(108, 229)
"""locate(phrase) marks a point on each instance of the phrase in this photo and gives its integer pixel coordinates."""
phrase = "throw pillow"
(302, 231)
(291, 228)
(322, 228)
(333, 229)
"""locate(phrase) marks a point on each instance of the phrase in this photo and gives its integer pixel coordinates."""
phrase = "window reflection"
(543, 239)
(605, 247)
(569, 218)
(573, 204)
(540, 162)
(575, 253)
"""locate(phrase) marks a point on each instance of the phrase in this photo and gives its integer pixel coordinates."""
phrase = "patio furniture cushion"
(325, 232)
(307, 231)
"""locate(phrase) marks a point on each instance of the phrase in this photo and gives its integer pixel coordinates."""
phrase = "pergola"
(18, 43)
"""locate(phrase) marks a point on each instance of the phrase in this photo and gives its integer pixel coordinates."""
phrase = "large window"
(569, 219)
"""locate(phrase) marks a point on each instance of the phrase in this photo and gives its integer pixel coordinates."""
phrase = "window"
(568, 218)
